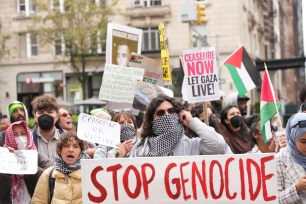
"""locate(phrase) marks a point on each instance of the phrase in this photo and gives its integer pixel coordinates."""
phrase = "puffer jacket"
(67, 188)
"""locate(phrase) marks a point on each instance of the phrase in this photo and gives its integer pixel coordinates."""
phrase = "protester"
(291, 162)
(66, 173)
(163, 132)
(303, 108)
(18, 189)
(127, 137)
(65, 120)
(302, 94)
(17, 112)
(101, 113)
(234, 99)
(234, 130)
(4, 123)
(45, 134)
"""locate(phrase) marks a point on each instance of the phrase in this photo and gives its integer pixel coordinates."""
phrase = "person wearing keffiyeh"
(18, 189)
(66, 172)
(291, 162)
(163, 132)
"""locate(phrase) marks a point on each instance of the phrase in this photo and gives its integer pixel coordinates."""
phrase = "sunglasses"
(301, 124)
(169, 111)
(122, 110)
(65, 115)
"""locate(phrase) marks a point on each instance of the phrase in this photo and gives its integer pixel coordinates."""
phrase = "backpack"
(51, 185)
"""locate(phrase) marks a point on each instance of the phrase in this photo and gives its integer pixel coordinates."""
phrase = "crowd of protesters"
(168, 129)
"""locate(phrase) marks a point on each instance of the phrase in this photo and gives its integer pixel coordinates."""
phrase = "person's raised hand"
(121, 150)
(128, 144)
(185, 117)
(301, 184)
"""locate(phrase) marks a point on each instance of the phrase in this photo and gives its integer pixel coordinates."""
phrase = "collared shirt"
(48, 148)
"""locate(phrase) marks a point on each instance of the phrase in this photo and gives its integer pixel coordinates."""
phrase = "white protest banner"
(119, 83)
(97, 130)
(19, 162)
(243, 178)
(200, 69)
(153, 71)
(121, 41)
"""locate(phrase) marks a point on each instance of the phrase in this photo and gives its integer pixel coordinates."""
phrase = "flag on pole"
(242, 70)
(269, 106)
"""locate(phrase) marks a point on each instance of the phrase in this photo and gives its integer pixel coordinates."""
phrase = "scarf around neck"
(62, 166)
(167, 131)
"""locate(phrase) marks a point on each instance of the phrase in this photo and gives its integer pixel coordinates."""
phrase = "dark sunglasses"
(65, 115)
(169, 111)
(301, 124)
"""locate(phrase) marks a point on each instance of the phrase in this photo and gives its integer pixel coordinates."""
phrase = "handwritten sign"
(200, 83)
(19, 162)
(97, 130)
(193, 179)
(119, 83)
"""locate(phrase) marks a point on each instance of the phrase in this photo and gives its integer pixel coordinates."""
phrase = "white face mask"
(21, 142)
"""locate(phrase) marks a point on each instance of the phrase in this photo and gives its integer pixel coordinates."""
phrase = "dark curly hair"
(148, 118)
(64, 138)
(44, 103)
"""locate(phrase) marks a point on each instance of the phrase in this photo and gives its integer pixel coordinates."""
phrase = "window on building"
(32, 45)
(26, 7)
(150, 40)
(59, 44)
(147, 3)
(57, 5)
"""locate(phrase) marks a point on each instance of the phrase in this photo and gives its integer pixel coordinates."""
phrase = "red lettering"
(126, 182)
(209, 66)
(190, 69)
(231, 197)
(249, 164)
(211, 179)
(175, 181)
(202, 178)
(145, 180)
(200, 68)
(266, 177)
(102, 190)
(114, 170)
(186, 197)
(242, 182)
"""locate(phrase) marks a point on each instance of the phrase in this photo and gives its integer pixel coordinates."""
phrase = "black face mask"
(236, 121)
(45, 122)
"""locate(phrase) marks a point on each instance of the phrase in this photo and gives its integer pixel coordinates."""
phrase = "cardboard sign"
(153, 71)
(119, 83)
(200, 82)
(193, 179)
(121, 41)
(97, 130)
(19, 162)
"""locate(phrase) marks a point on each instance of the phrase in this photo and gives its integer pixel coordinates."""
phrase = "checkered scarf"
(167, 131)
(127, 132)
(62, 166)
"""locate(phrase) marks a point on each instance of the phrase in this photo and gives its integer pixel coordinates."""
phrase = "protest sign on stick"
(200, 82)
(191, 179)
(97, 130)
(119, 83)
(19, 162)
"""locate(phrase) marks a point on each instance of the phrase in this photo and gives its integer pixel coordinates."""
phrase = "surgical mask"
(236, 121)
(45, 122)
(21, 142)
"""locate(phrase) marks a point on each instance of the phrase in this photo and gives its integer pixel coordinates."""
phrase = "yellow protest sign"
(165, 59)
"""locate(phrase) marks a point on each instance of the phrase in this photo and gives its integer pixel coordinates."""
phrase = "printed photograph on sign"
(121, 42)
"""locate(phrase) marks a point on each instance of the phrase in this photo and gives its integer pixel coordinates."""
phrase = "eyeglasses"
(118, 110)
(169, 111)
(65, 115)
(301, 124)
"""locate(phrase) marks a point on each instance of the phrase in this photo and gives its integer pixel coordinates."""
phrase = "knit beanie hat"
(14, 106)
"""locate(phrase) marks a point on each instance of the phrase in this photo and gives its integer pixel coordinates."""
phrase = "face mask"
(45, 122)
(21, 142)
(165, 124)
(127, 132)
(236, 121)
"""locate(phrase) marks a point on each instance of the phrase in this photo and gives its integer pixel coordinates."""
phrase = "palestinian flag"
(269, 106)
(242, 70)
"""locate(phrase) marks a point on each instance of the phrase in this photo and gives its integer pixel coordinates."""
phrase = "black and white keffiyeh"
(62, 166)
(127, 132)
(167, 131)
